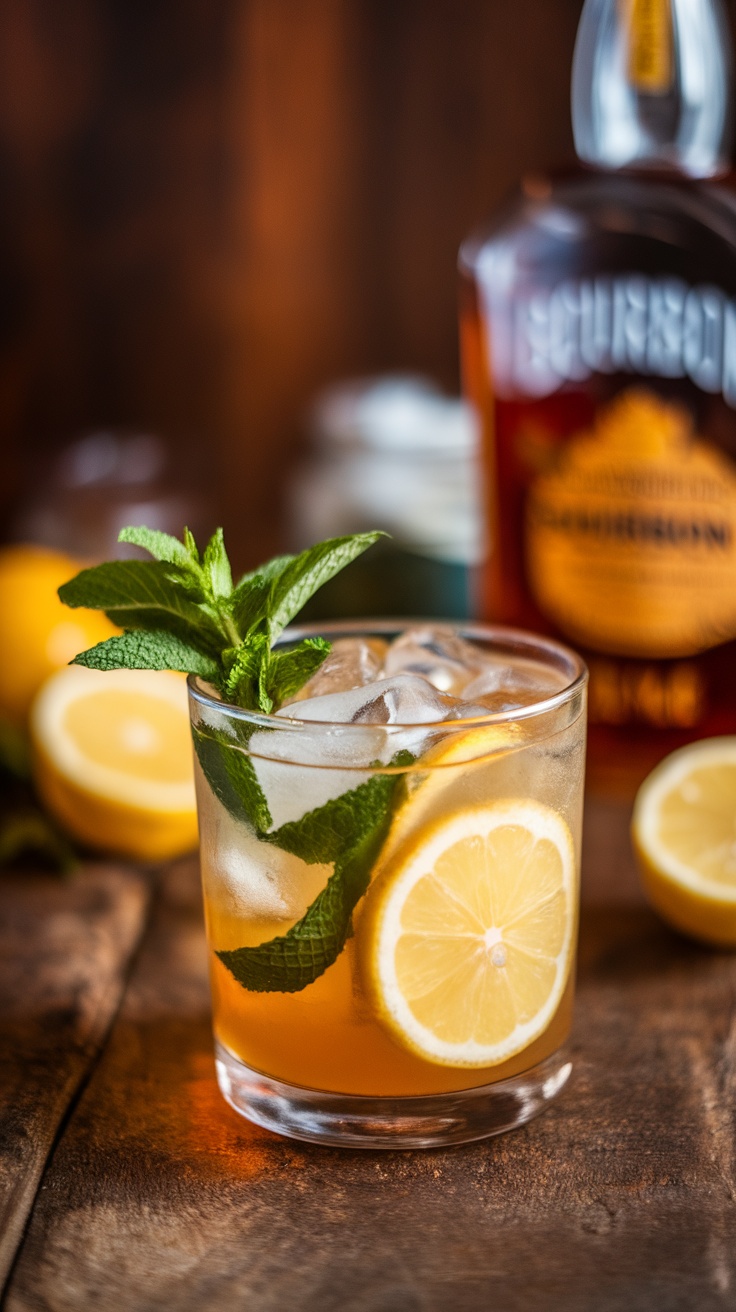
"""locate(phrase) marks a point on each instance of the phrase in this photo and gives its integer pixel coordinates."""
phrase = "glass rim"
(473, 629)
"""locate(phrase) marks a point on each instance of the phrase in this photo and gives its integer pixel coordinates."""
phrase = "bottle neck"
(651, 86)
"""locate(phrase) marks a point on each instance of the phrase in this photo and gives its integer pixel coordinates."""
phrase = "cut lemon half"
(468, 933)
(38, 634)
(113, 759)
(684, 835)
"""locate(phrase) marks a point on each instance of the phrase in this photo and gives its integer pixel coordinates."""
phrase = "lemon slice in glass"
(467, 935)
(466, 764)
(684, 835)
(113, 759)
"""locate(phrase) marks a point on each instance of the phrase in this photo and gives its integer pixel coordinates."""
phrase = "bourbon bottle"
(598, 331)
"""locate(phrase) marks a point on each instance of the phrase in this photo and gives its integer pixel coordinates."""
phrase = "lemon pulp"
(468, 933)
(140, 735)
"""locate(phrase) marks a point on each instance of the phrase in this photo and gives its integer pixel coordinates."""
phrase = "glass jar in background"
(78, 499)
(395, 453)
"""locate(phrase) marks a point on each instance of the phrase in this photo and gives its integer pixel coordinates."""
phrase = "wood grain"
(65, 947)
(620, 1197)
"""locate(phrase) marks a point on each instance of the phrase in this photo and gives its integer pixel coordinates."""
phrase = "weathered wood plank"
(65, 947)
(621, 1196)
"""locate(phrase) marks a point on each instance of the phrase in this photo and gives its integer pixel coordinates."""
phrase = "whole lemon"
(38, 634)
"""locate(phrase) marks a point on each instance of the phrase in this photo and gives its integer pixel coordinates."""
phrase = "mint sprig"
(181, 611)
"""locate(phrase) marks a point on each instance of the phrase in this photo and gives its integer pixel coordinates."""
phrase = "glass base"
(350, 1121)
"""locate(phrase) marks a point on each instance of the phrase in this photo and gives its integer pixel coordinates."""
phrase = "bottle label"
(617, 323)
(650, 54)
(631, 537)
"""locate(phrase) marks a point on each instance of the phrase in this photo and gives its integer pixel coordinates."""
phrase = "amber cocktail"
(390, 868)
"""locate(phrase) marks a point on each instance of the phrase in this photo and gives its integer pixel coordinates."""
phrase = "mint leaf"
(162, 546)
(276, 565)
(250, 602)
(259, 679)
(216, 567)
(183, 555)
(140, 594)
(288, 671)
(245, 672)
(303, 575)
(191, 545)
(231, 775)
(252, 597)
(325, 834)
(294, 960)
(265, 702)
(138, 649)
(350, 830)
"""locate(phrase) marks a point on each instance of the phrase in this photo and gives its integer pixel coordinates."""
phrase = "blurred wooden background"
(211, 208)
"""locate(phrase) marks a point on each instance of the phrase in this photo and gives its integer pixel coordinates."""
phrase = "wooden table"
(127, 1183)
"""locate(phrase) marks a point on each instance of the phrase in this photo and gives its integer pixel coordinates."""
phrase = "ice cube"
(352, 663)
(403, 699)
(436, 653)
(359, 727)
(507, 687)
(299, 771)
(252, 880)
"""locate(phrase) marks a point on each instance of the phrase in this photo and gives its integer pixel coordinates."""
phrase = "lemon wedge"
(684, 835)
(467, 935)
(113, 760)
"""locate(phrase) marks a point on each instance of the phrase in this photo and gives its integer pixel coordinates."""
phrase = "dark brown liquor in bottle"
(598, 329)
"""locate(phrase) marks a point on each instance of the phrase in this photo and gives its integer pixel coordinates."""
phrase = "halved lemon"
(684, 835)
(38, 634)
(468, 933)
(113, 760)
